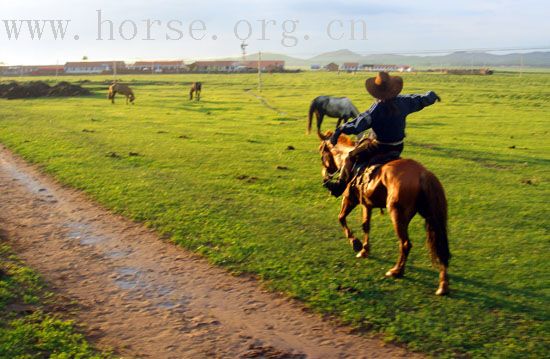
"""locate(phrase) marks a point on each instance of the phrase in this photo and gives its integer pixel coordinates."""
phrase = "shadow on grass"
(427, 125)
(485, 295)
(489, 160)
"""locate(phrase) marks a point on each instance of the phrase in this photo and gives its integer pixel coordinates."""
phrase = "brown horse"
(123, 89)
(405, 188)
(196, 88)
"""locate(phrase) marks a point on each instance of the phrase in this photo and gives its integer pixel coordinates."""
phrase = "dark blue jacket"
(387, 119)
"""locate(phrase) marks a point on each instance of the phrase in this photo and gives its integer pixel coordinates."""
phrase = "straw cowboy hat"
(384, 86)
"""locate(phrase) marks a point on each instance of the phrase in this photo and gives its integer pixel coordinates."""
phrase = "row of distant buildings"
(121, 67)
(355, 66)
(178, 66)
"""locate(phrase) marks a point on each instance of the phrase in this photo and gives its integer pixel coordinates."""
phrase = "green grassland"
(26, 330)
(216, 177)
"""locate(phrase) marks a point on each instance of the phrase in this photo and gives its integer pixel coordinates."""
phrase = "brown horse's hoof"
(356, 244)
(443, 289)
(394, 274)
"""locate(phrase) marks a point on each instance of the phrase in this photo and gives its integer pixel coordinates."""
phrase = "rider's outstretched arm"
(361, 123)
(416, 103)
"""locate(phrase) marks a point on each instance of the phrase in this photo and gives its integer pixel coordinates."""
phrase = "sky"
(203, 29)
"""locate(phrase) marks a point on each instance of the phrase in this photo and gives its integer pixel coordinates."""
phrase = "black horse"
(337, 107)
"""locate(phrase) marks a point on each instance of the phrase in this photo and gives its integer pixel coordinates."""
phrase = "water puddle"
(83, 233)
(134, 280)
(31, 184)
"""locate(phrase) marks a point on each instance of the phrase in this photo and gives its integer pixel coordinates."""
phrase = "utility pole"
(260, 71)
(520, 65)
(243, 50)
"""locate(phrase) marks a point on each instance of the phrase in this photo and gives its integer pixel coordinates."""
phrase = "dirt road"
(149, 299)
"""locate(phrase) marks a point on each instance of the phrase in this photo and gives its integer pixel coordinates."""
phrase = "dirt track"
(149, 299)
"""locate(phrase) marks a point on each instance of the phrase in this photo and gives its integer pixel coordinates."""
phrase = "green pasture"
(27, 330)
(218, 177)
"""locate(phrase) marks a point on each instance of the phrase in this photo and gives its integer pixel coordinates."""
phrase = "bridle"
(327, 159)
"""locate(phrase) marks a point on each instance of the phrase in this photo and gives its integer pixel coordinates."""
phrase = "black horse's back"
(338, 107)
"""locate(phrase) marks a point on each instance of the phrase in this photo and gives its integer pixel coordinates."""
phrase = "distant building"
(158, 66)
(93, 67)
(483, 71)
(332, 67)
(265, 65)
(387, 68)
(214, 66)
(350, 66)
(18, 70)
(237, 66)
(48, 70)
(32, 70)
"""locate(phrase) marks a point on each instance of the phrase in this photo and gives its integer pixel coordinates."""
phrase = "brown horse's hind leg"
(401, 225)
(348, 204)
(443, 281)
(367, 212)
(198, 96)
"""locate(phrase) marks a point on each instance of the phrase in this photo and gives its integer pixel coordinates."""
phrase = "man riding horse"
(386, 118)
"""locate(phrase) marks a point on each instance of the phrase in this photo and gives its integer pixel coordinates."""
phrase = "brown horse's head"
(333, 157)
(327, 160)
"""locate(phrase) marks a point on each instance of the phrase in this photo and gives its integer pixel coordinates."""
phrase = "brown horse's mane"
(346, 141)
(343, 140)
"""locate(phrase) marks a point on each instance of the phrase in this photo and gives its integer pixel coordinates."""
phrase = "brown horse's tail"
(433, 207)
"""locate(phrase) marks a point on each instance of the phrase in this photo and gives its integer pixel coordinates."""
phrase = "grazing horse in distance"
(405, 188)
(338, 107)
(123, 89)
(196, 88)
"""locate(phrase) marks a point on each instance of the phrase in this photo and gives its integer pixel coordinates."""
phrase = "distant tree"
(84, 58)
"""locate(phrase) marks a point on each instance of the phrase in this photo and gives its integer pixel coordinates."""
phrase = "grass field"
(216, 177)
(26, 329)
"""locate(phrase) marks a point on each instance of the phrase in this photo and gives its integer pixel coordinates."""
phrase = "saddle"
(364, 172)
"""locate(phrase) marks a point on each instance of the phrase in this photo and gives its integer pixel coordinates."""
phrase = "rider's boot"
(338, 187)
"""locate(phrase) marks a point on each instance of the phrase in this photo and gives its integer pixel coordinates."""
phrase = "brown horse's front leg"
(367, 213)
(348, 204)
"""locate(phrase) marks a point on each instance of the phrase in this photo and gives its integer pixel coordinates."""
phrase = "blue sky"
(390, 26)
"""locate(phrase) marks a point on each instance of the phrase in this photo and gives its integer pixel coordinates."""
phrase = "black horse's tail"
(312, 109)
(433, 207)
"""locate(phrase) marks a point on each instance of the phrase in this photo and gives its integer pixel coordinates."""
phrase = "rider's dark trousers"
(364, 152)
